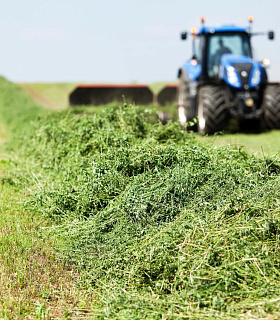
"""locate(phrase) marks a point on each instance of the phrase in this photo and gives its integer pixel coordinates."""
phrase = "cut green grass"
(160, 224)
(149, 213)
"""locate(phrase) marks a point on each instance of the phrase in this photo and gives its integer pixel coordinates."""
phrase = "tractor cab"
(211, 44)
(225, 43)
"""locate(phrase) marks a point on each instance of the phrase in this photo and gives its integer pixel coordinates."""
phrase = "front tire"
(212, 112)
(185, 105)
(271, 105)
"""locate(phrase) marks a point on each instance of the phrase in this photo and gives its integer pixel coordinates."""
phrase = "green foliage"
(161, 225)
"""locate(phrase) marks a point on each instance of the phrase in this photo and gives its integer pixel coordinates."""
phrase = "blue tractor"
(222, 81)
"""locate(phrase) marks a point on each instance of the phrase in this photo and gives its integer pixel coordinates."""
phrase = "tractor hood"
(240, 71)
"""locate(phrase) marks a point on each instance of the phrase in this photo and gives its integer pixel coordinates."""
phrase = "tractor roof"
(225, 28)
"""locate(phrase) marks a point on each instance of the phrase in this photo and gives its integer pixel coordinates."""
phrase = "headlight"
(256, 77)
(232, 77)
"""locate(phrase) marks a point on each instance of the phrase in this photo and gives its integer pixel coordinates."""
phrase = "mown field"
(157, 222)
(51, 95)
(55, 96)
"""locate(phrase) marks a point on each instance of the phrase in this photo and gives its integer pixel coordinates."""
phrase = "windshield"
(222, 43)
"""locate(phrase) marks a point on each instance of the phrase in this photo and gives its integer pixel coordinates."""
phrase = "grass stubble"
(34, 283)
(158, 224)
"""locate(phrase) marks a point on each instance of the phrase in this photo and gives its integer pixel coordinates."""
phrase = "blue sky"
(118, 41)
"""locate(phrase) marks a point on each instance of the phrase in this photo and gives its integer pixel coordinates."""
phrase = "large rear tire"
(271, 105)
(212, 112)
(186, 108)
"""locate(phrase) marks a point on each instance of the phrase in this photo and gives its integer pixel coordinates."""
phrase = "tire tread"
(214, 108)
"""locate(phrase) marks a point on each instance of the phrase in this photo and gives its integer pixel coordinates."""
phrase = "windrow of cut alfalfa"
(161, 225)
(203, 228)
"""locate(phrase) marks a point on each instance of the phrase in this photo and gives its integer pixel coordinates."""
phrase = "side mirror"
(271, 35)
(184, 35)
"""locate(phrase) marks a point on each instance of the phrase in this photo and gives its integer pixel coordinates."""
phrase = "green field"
(51, 95)
(266, 143)
(152, 221)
